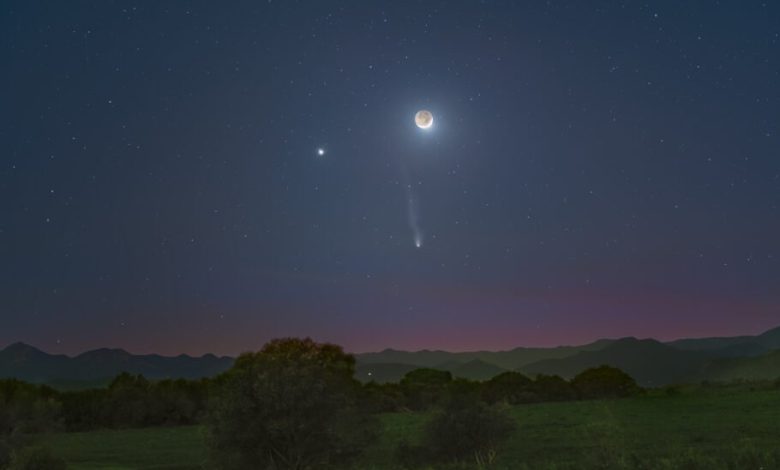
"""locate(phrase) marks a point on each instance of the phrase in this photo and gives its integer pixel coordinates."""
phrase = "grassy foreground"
(692, 426)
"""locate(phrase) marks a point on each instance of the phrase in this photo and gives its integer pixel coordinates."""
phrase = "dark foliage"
(604, 382)
(412, 456)
(35, 458)
(424, 388)
(293, 405)
(553, 388)
(24, 409)
(463, 389)
(133, 401)
(463, 431)
(382, 398)
(509, 387)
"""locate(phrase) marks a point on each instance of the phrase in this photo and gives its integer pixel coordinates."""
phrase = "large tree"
(423, 388)
(510, 387)
(292, 405)
(604, 382)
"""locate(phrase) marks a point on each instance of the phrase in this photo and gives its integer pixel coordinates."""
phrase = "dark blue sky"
(595, 169)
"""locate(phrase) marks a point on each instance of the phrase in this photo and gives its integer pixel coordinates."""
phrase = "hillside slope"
(650, 362)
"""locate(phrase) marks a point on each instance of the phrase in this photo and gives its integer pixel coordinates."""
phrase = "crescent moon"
(423, 119)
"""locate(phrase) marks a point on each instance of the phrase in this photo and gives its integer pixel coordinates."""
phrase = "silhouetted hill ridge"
(25, 362)
(736, 346)
(508, 360)
(764, 367)
(476, 369)
(649, 361)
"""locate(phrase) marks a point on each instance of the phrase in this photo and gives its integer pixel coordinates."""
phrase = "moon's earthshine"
(423, 119)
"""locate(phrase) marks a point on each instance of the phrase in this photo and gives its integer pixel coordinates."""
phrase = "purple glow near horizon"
(205, 177)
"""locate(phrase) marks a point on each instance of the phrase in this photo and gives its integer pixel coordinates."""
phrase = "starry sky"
(191, 177)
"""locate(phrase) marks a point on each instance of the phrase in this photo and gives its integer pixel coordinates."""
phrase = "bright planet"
(423, 119)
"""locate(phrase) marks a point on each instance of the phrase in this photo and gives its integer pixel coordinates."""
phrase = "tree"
(509, 387)
(128, 402)
(292, 405)
(423, 388)
(178, 401)
(553, 388)
(381, 398)
(84, 410)
(604, 382)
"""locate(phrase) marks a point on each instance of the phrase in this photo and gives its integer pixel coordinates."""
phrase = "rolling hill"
(27, 363)
(650, 362)
(765, 367)
(736, 346)
(508, 360)
(382, 372)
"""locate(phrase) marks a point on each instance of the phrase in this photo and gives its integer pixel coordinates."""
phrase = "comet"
(414, 223)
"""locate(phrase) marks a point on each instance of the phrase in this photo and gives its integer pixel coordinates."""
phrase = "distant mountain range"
(97, 367)
(650, 362)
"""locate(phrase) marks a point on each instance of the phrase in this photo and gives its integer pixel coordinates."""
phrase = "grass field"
(698, 424)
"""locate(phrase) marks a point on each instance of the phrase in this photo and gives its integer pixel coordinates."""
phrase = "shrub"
(423, 388)
(672, 390)
(411, 456)
(128, 403)
(6, 449)
(464, 431)
(509, 387)
(36, 458)
(24, 409)
(382, 398)
(553, 388)
(292, 405)
(604, 382)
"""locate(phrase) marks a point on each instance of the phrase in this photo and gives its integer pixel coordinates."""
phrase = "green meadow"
(729, 427)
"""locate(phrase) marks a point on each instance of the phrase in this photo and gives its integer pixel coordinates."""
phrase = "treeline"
(129, 401)
(133, 401)
(293, 391)
(423, 389)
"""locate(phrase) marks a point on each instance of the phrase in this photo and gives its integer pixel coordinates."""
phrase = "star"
(320, 151)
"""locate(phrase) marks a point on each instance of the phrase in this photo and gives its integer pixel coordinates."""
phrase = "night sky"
(191, 177)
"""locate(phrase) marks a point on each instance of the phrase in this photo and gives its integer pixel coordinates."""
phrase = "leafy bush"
(36, 458)
(292, 405)
(411, 456)
(464, 431)
(672, 390)
(382, 398)
(133, 401)
(24, 409)
(509, 387)
(424, 388)
(604, 382)
(553, 388)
